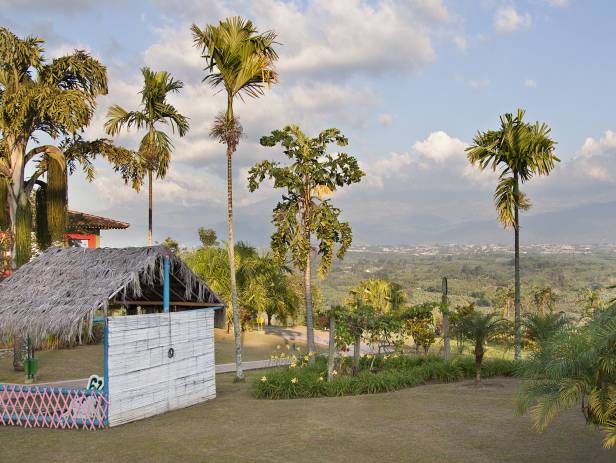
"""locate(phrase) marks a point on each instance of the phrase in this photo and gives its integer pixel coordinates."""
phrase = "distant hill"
(591, 223)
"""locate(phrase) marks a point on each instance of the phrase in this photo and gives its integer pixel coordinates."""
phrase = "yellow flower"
(294, 380)
(369, 356)
(334, 372)
(320, 378)
(385, 357)
(293, 365)
(263, 379)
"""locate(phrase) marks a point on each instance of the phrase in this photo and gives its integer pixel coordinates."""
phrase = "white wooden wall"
(143, 381)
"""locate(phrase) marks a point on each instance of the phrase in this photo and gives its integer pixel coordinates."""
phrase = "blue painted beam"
(166, 284)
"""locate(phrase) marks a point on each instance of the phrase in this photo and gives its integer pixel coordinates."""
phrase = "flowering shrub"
(396, 372)
(294, 358)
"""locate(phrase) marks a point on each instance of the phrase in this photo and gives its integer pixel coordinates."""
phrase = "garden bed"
(378, 374)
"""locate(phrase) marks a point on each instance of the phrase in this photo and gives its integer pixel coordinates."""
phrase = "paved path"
(291, 334)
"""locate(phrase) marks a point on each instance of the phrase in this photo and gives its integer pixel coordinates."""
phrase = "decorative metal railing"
(52, 407)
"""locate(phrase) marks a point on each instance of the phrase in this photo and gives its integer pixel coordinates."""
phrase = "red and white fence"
(52, 407)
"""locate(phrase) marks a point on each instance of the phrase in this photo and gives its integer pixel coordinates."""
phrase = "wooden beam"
(177, 303)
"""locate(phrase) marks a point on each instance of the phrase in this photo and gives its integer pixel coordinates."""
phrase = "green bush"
(390, 373)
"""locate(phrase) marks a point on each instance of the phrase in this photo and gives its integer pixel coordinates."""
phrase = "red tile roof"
(83, 221)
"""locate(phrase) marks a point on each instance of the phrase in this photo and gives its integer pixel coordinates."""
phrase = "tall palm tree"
(519, 151)
(56, 98)
(239, 59)
(155, 147)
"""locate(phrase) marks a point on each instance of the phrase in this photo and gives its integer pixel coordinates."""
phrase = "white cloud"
(508, 20)
(558, 3)
(460, 42)
(530, 83)
(440, 147)
(604, 145)
(385, 119)
(479, 83)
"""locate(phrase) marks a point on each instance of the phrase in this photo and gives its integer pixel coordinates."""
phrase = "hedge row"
(392, 374)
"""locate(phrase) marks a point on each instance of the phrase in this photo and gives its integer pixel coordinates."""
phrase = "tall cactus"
(4, 203)
(56, 199)
(43, 238)
(445, 311)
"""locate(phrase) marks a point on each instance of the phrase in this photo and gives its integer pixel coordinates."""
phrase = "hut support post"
(166, 285)
(106, 368)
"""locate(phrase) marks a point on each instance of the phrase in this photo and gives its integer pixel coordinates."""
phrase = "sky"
(408, 82)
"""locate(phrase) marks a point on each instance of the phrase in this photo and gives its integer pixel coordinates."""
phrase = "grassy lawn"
(434, 423)
(82, 361)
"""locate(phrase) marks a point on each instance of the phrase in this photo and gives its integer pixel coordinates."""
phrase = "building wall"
(142, 380)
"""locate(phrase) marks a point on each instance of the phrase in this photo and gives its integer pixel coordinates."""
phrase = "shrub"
(393, 373)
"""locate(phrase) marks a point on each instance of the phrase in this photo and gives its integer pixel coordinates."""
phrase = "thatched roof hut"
(60, 290)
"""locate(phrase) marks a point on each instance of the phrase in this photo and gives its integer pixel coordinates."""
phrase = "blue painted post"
(166, 284)
(106, 368)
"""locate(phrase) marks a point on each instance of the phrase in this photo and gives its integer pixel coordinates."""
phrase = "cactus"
(445, 311)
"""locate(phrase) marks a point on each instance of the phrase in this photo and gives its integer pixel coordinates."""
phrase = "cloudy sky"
(409, 82)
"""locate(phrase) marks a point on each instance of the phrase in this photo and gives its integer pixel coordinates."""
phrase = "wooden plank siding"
(143, 380)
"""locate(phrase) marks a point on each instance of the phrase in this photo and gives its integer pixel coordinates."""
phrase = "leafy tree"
(155, 148)
(172, 244)
(281, 298)
(544, 299)
(480, 328)
(519, 151)
(304, 212)
(591, 300)
(384, 296)
(419, 322)
(208, 237)
(455, 317)
(352, 323)
(503, 300)
(576, 366)
(539, 327)
(56, 99)
(241, 60)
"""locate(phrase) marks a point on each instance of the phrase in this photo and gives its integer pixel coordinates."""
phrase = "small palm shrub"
(576, 366)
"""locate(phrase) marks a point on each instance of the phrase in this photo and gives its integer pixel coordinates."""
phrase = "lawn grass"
(453, 422)
(82, 361)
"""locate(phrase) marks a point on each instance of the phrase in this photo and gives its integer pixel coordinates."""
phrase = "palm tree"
(155, 147)
(56, 98)
(239, 59)
(540, 327)
(384, 296)
(519, 151)
(575, 368)
(480, 328)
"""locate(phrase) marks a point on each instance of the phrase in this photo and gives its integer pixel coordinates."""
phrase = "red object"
(91, 239)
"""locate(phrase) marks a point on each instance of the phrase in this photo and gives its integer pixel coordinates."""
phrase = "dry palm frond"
(227, 131)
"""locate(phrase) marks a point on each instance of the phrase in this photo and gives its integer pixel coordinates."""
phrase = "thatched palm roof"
(63, 287)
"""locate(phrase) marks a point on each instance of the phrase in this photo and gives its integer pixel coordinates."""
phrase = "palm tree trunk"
(237, 330)
(478, 361)
(308, 302)
(331, 354)
(356, 353)
(150, 232)
(517, 305)
(17, 157)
